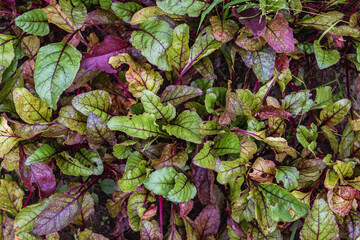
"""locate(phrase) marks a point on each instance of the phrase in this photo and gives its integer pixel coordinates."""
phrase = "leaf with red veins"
(208, 222)
(341, 199)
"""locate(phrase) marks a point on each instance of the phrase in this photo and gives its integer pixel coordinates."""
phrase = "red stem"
(28, 198)
(123, 86)
(161, 214)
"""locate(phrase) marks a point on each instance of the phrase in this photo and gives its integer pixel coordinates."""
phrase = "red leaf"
(208, 221)
(99, 57)
(256, 24)
(204, 182)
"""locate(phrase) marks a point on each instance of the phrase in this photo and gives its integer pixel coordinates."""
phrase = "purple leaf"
(99, 57)
(61, 211)
(208, 221)
(256, 24)
(204, 182)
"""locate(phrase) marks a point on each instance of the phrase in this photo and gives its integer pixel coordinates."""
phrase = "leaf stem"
(122, 85)
(161, 214)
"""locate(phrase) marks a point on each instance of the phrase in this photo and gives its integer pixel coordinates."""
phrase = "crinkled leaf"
(223, 30)
(335, 113)
(161, 181)
(99, 57)
(75, 12)
(123, 150)
(204, 158)
(288, 176)
(98, 132)
(150, 230)
(297, 103)
(183, 190)
(25, 219)
(281, 200)
(226, 143)
(262, 170)
(207, 222)
(185, 126)
(325, 57)
(152, 104)
(261, 61)
(97, 102)
(126, 10)
(87, 234)
(141, 126)
(279, 35)
(61, 211)
(85, 163)
(204, 45)
(178, 52)
(229, 170)
(341, 199)
(7, 137)
(34, 22)
(133, 177)
(57, 16)
(190, 7)
(72, 119)
(320, 223)
(11, 196)
(152, 39)
(137, 207)
(176, 94)
(31, 109)
(55, 69)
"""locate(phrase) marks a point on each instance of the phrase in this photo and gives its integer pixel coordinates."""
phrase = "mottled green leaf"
(137, 206)
(341, 199)
(223, 30)
(150, 230)
(288, 176)
(72, 119)
(153, 105)
(76, 13)
(247, 41)
(262, 170)
(7, 137)
(25, 219)
(335, 113)
(190, 7)
(11, 160)
(86, 209)
(11, 196)
(133, 177)
(126, 10)
(176, 94)
(229, 170)
(98, 132)
(57, 16)
(243, 208)
(322, 21)
(183, 190)
(325, 57)
(87, 234)
(55, 69)
(114, 204)
(34, 22)
(297, 103)
(178, 52)
(7, 53)
(263, 213)
(43, 153)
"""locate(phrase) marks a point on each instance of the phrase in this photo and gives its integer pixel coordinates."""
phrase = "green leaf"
(344, 170)
(325, 58)
(329, 134)
(297, 103)
(31, 109)
(34, 22)
(87, 234)
(11, 196)
(72, 119)
(133, 177)
(133, 159)
(226, 143)
(320, 223)
(98, 132)
(150, 230)
(247, 40)
(145, 13)
(331, 179)
(114, 204)
(178, 52)
(190, 7)
(153, 105)
(141, 126)
(243, 208)
(206, 69)
(7, 137)
(204, 45)
(61, 211)
(152, 39)
(6, 51)
(345, 143)
(267, 6)
(229, 170)
(105, 4)
(11, 160)
(161, 181)
(323, 97)
(341, 199)
(223, 30)
(204, 158)
(263, 212)
(307, 137)
(97, 102)
(58, 17)
(177, 94)
(76, 13)
(126, 10)
(25, 219)
(183, 190)
(186, 127)
(123, 150)
(136, 207)
(45, 152)
(322, 21)
(335, 113)
(288, 176)
(281, 200)
(55, 69)
(87, 208)
(85, 163)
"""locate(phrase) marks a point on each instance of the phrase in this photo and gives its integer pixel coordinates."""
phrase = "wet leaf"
(99, 57)
(178, 52)
(279, 35)
(161, 181)
(183, 190)
(7, 137)
(325, 57)
(72, 119)
(141, 126)
(288, 176)
(262, 170)
(152, 104)
(85, 163)
(34, 22)
(320, 223)
(98, 132)
(341, 199)
(150, 230)
(185, 126)
(152, 39)
(176, 94)
(190, 7)
(61, 211)
(55, 69)
(11, 196)
(223, 30)
(125, 11)
(335, 113)
(133, 177)
(31, 109)
(25, 219)
(281, 200)
(207, 222)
